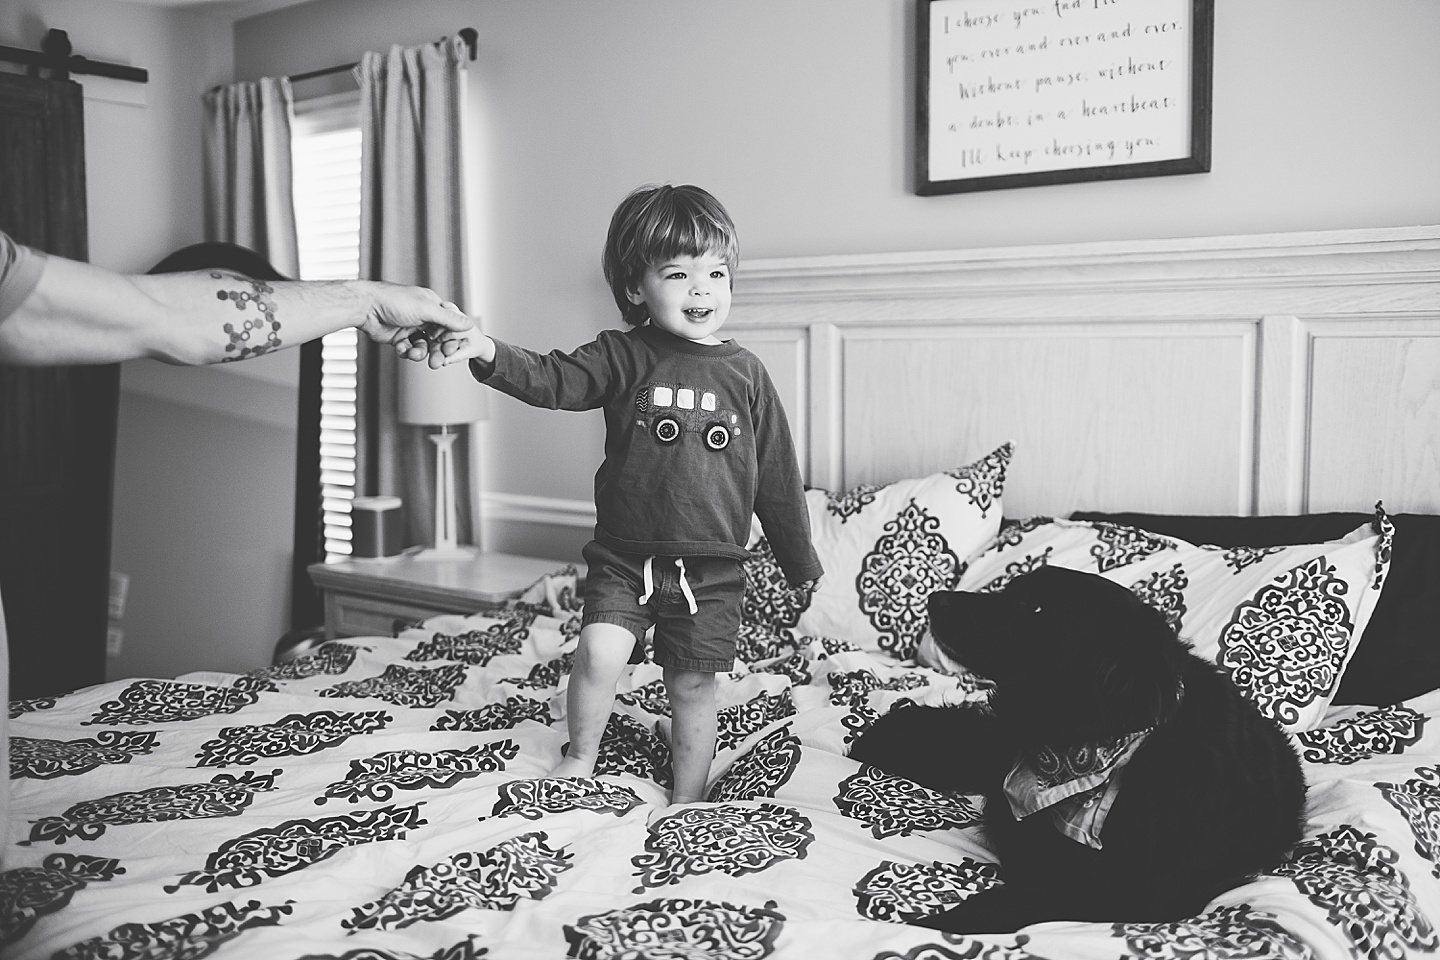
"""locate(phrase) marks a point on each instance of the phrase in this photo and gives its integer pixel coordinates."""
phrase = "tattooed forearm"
(256, 334)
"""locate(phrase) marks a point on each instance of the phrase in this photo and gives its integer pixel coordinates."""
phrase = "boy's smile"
(688, 296)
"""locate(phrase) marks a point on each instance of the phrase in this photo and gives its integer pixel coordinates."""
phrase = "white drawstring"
(649, 583)
(684, 584)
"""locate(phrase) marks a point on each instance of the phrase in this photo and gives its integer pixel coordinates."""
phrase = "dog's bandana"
(1078, 786)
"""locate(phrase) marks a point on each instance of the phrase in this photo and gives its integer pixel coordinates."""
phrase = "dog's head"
(1075, 658)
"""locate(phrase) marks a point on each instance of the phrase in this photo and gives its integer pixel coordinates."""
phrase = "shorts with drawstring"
(692, 602)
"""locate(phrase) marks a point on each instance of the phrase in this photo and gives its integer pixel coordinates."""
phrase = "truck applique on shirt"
(671, 410)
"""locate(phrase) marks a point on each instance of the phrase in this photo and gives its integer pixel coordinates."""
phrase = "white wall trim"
(1297, 269)
(521, 508)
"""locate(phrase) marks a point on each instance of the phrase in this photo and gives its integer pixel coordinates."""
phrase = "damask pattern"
(762, 770)
(893, 806)
(1286, 645)
(1017, 568)
(533, 799)
(496, 716)
(1013, 531)
(651, 698)
(728, 839)
(21, 707)
(735, 723)
(910, 561)
(1225, 933)
(405, 687)
(822, 648)
(294, 845)
(168, 701)
(477, 647)
(1384, 552)
(1165, 591)
(191, 936)
(37, 759)
(983, 481)
(1120, 546)
(677, 930)
(906, 892)
(29, 893)
(1418, 800)
(769, 600)
(852, 688)
(795, 668)
(1385, 731)
(496, 879)
(223, 796)
(848, 504)
(467, 949)
(627, 747)
(330, 659)
(378, 777)
(1238, 558)
(755, 642)
(294, 735)
(1353, 878)
(960, 947)
(545, 676)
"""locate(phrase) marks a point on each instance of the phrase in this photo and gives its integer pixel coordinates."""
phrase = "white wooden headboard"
(1294, 373)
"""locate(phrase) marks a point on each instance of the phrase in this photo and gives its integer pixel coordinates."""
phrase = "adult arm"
(79, 313)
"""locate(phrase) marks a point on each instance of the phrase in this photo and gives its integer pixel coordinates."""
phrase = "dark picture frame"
(1023, 93)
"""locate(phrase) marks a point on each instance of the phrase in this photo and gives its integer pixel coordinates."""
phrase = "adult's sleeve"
(20, 269)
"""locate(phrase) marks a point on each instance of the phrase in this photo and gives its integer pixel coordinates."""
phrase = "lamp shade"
(433, 397)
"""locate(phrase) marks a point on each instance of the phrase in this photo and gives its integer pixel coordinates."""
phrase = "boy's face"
(687, 296)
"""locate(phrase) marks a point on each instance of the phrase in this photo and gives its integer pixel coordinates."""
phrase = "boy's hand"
(441, 347)
(812, 585)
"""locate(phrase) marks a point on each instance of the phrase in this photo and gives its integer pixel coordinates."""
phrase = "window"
(325, 149)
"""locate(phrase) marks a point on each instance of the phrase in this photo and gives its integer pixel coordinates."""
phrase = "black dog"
(1210, 793)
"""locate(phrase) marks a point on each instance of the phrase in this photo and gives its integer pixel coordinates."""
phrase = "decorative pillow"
(1282, 622)
(885, 548)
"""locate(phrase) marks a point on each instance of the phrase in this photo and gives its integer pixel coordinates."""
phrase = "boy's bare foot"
(570, 769)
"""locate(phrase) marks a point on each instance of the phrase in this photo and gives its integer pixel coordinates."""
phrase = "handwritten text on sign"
(1027, 87)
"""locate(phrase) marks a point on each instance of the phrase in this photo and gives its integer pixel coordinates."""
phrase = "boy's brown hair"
(656, 223)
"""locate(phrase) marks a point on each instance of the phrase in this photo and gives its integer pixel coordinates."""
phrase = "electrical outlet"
(119, 590)
(114, 640)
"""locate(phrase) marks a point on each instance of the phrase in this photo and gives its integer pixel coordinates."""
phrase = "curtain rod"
(55, 54)
(470, 35)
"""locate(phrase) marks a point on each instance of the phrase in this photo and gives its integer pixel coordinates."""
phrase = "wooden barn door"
(57, 425)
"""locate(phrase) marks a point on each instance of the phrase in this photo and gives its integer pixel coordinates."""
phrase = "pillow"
(885, 548)
(1281, 621)
(1398, 658)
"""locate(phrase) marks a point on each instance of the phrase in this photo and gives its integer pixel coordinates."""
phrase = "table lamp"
(445, 397)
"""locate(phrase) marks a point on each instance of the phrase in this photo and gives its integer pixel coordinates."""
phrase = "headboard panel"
(1268, 374)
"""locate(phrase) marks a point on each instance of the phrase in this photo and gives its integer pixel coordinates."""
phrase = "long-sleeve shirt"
(696, 441)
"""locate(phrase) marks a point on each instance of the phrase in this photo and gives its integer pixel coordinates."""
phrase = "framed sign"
(1019, 93)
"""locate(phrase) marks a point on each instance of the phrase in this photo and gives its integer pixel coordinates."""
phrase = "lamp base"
(446, 553)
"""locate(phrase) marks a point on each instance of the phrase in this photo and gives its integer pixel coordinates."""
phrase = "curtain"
(412, 230)
(248, 195)
(249, 201)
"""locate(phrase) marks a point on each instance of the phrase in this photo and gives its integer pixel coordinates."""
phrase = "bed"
(383, 797)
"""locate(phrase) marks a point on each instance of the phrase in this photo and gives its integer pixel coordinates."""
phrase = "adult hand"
(416, 321)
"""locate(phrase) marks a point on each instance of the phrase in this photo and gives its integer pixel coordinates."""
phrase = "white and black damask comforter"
(379, 799)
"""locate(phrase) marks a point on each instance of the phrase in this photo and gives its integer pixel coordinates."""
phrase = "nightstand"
(368, 597)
